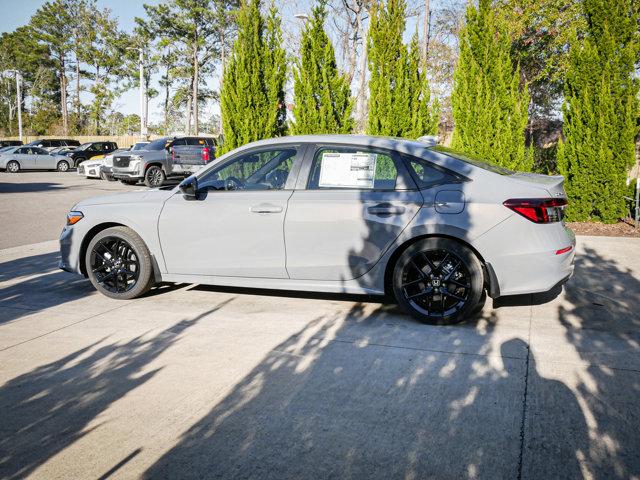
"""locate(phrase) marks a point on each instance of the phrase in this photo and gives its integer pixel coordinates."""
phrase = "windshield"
(472, 160)
(157, 144)
(140, 146)
(84, 146)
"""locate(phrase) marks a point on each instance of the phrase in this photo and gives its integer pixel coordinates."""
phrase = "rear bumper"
(525, 258)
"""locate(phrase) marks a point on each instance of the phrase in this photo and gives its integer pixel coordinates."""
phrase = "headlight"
(135, 158)
(134, 165)
(74, 217)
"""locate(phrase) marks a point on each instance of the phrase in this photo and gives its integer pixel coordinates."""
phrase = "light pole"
(18, 97)
(143, 94)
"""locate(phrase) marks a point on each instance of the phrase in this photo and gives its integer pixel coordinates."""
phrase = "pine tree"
(399, 96)
(489, 107)
(600, 111)
(322, 97)
(252, 96)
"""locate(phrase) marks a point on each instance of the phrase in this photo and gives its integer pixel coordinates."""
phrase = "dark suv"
(51, 143)
(10, 143)
(89, 150)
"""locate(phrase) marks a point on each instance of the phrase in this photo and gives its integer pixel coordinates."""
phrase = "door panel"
(227, 233)
(43, 160)
(341, 234)
(27, 160)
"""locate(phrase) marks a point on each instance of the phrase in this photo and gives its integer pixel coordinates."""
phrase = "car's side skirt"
(347, 286)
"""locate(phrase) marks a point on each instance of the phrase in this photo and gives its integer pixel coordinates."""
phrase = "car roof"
(403, 145)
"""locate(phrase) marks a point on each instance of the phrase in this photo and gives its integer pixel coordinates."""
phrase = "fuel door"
(449, 201)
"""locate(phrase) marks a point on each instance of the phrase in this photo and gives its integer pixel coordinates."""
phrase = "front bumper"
(124, 175)
(70, 250)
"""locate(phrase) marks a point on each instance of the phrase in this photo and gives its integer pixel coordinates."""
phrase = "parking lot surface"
(205, 382)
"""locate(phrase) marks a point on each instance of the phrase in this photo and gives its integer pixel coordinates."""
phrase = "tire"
(78, 161)
(154, 177)
(12, 167)
(63, 166)
(109, 274)
(438, 281)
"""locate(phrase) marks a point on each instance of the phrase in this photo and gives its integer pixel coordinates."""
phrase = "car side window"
(22, 151)
(426, 175)
(352, 168)
(262, 170)
(39, 151)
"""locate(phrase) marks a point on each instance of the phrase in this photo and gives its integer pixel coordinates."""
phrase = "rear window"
(158, 144)
(472, 160)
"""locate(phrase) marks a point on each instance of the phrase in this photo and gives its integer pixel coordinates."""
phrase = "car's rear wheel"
(63, 166)
(13, 167)
(154, 177)
(438, 281)
(119, 264)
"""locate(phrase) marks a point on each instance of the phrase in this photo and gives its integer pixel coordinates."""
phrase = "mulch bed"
(620, 229)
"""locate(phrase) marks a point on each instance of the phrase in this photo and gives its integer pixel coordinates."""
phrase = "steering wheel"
(233, 183)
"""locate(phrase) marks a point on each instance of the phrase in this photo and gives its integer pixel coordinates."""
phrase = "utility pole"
(18, 97)
(143, 98)
(426, 32)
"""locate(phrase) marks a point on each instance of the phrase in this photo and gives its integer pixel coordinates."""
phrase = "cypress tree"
(425, 114)
(322, 97)
(489, 107)
(399, 96)
(600, 111)
(252, 97)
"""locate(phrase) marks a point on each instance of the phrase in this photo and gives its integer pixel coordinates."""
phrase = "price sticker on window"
(347, 170)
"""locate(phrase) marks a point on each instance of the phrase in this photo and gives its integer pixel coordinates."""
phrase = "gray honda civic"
(436, 229)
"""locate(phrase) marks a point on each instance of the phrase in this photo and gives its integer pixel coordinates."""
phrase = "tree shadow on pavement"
(601, 323)
(30, 187)
(48, 409)
(366, 395)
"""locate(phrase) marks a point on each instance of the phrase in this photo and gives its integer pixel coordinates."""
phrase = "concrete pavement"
(204, 382)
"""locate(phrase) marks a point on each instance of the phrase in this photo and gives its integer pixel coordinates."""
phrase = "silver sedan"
(32, 158)
(334, 213)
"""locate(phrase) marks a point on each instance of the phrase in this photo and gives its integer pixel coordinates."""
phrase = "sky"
(15, 13)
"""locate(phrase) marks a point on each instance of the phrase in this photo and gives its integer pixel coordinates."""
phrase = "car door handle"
(266, 208)
(386, 209)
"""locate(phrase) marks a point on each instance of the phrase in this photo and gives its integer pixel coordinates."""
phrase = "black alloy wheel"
(438, 280)
(119, 264)
(154, 177)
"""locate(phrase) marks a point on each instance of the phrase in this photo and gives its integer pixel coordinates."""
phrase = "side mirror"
(189, 188)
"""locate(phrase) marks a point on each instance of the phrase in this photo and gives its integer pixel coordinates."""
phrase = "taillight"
(538, 210)
(205, 154)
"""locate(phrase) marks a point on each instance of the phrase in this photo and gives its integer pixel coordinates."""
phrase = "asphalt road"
(34, 205)
(200, 382)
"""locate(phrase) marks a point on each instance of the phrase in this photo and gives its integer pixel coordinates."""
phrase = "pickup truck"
(168, 157)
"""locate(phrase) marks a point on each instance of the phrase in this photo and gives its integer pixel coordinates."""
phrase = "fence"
(121, 140)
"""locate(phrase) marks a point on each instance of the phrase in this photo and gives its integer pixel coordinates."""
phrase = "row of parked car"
(150, 162)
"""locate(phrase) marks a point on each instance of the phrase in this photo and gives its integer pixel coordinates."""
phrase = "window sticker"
(347, 170)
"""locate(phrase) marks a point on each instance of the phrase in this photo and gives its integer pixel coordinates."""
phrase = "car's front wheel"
(13, 167)
(78, 161)
(119, 264)
(438, 281)
(63, 166)
(154, 177)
